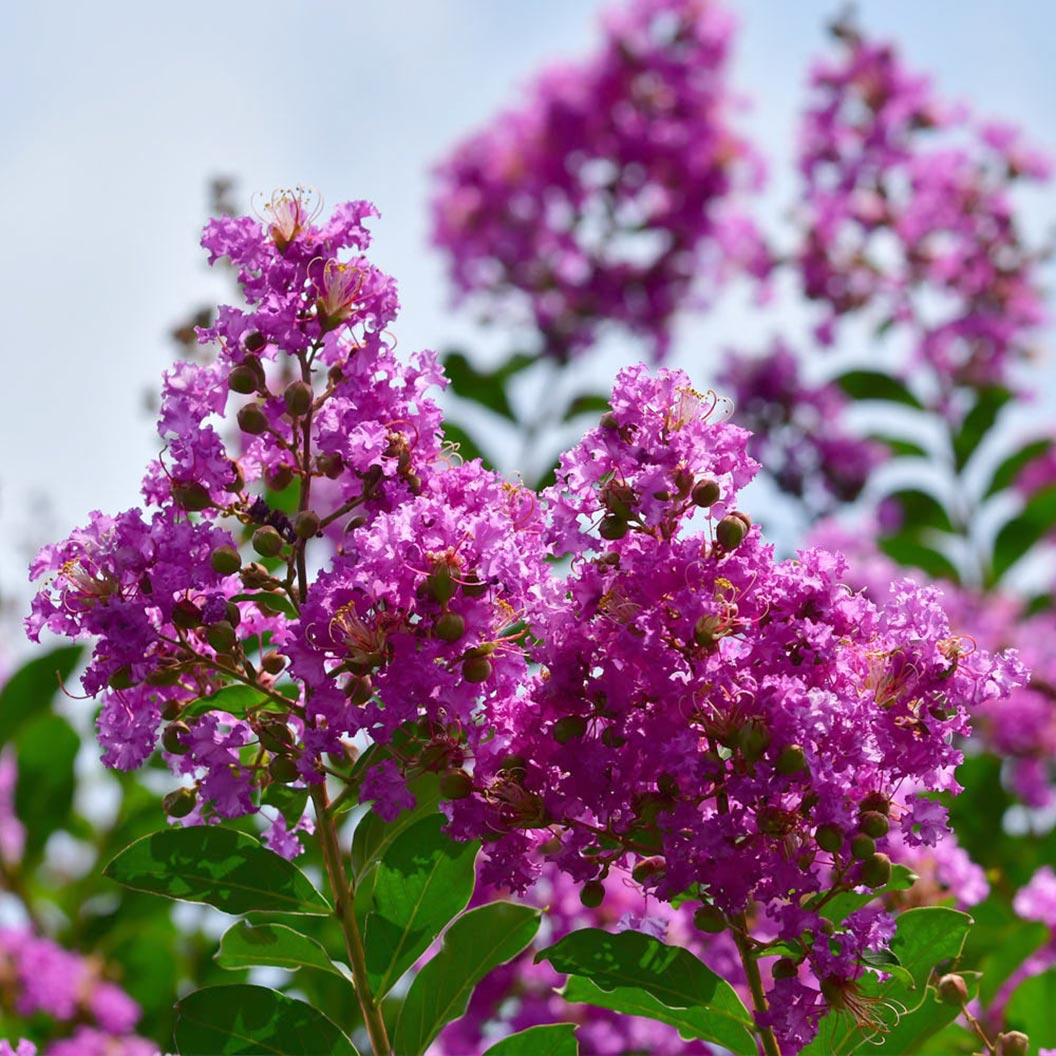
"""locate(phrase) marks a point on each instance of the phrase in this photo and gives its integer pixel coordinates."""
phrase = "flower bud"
(283, 769)
(359, 690)
(753, 738)
(829, 837)
(193, 497)
(171, 710)
(254, 341)
(1013, 1043)
(608, 421)
(862, 847)
(186, 614)
(298, 398)
(791, 760)
(449, 627)
(876, 801)
(242, 379)
(171, 738)
(611, 739)
(710, 919)
(456, 784)
(180, 802)
(785, 968)
(221, 636)
(476, 669)
(252, 419)
(705, 493)
(122, 678)
(273, 662)
(592, 894)
(876, 871)
(513, 764)
(267, 542)
(278, 477)
(276, 736)
(650, 868)
(568, 727)
(306, 524)
(440, 584)
(472, 586)
(226, 560)
(612, 527)
(330, 464)
(874, 824)
(730, 532)
(168, 675)
(953, 990)
(234, 613)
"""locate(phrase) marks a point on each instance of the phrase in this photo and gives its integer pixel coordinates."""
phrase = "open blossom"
(908, 213)
(609, 195)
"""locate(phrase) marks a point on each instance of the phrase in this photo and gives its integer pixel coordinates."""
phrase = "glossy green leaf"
(31, 689)
(253, 1020)
(373, 837)
(477, 942)
(232, 699)
(913, 554)
(555, 1039)
(1009, 469)
(47, 748)
(288, 801)
(423, 880)
(875, 385)
(1017, 536)
(647, 968)
(977, 423)
(273, 945)
(226, 869)
(1032, 1009)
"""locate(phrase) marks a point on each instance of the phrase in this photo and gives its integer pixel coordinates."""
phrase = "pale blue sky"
(114, 115)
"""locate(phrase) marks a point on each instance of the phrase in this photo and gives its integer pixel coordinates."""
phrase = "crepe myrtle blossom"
(908, 213)
(609, 195)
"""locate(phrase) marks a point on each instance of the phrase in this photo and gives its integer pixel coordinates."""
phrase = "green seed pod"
(242, 379)
(226, 560)
(171, 738)
(171, 710)
(862, 847)
(193, 497)
(252, 419)
(730, 532)
(186, 614)
(449, 627)
(440, 584)
(234, 613)
(221, 636)
(180, 802)
(568, 727)
(608, 421)
(611, 739)
(164, 676)
(710, 919)
(267, 542)
(592, 894)
(513, 764)
(476, 669)
(306, 524)
(953, 990)
(753, 739)
(276, 736)
(791, 760)
(876, 871)
(705, 493)
(298, 398)
(829, 837)
(876, 801)
(785, 968)
(283, 769)
(456, 784)
(122, 678)
(612, 527)
(874, 824)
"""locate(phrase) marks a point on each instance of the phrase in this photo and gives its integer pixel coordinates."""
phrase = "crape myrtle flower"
(797, 428)
(714, 720)
(609, 195)
(908, 213)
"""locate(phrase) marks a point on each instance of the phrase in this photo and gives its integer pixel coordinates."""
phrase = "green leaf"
(977, 423)
(468, 448)
(487, 388)
(33, 686)
(1016, 942)
(1006, 473)
(913, 554)
(288, 801)
(251, 1020)
(424, 879)
(476, 943)
(911, 1031)
(234, 699)
(274, 945)
(227, 869)
(556, 1039)
(269, 602)
(900, 447)
(373, 837)
(632, 967)
(921, 510)
(1032, 1009)
(1018, 535)
(841, 906)
(588, 403)
(875, 385)
(47, 748)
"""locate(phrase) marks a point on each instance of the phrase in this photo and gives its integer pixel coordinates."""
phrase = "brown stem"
(344, 910)
(739, 930)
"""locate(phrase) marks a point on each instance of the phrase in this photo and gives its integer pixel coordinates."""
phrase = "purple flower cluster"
(797, 432)
(908, 212)
(42, 978)
(608, 195)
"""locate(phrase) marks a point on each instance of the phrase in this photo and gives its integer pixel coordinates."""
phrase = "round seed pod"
(267, 542)
(592, 894)
(180, 802)
(225, 560)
